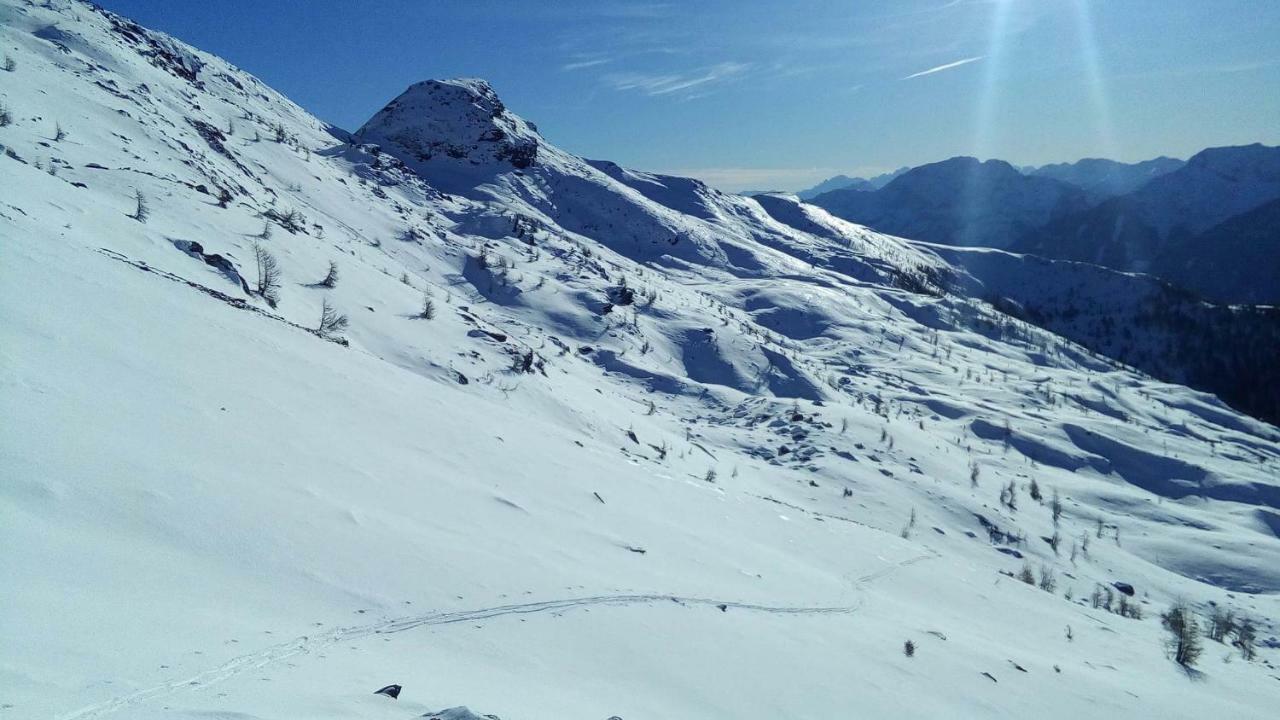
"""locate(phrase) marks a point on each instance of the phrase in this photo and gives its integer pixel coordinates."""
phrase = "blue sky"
(777, 95)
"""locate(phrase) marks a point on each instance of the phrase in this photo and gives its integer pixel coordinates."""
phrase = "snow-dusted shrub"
(290, 219)
(524, 363)
(1027, 575)
(1128, 608)
(621, 294)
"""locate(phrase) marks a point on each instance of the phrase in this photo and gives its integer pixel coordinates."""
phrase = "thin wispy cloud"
(655, 84)
(1200, 69)
(940, 68)
(582, 64)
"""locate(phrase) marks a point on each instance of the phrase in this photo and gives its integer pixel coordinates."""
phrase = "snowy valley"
(292, 413)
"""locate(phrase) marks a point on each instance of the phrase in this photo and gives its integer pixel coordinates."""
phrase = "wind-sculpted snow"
(566, 394)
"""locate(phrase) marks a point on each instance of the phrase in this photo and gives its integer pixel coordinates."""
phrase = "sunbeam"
(1097, 84)
(984, 120)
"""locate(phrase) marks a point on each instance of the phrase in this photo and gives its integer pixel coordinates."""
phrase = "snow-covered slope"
(733, 486)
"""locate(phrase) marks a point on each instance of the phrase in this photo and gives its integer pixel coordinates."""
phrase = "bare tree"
(1221, 623)
(58, 133)
(1009, 496)
(332, 322)
(1184, 634)
(909, 648)
(1048, 580)
(1246, 637)
(10, 64)
(1055, 506)
(428, 311)
(5, 118)
(911, 525)
(331, 278)
(141, 212)
(268, 287)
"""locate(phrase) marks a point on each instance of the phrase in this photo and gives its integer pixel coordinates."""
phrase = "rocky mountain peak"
(452, 125)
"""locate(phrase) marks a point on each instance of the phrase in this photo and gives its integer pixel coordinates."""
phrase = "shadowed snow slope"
(654, 451)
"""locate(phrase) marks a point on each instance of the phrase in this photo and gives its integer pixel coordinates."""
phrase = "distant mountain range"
(841, 182)
(961, 201)
(1101, 179)
(1205, 224)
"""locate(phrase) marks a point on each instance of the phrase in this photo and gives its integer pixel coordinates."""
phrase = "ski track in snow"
(310, 643)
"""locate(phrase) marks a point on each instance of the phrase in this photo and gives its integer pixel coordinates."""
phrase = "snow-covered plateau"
(591, 442)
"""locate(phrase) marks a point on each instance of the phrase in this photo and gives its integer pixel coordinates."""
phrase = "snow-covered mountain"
(961, 201)
(1098, 178)
(1140, 320)
(1134, 231)
(1101, 178)
(591, 442)
(1237, 260)
(840, 182)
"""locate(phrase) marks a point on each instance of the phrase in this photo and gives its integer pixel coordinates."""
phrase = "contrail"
(948, 66)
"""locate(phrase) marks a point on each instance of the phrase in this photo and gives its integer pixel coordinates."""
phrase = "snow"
(210, 511)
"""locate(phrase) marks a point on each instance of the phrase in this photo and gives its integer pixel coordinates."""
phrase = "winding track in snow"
(311, 643)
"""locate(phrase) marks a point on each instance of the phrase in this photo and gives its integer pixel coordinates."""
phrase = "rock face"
(453, 127)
